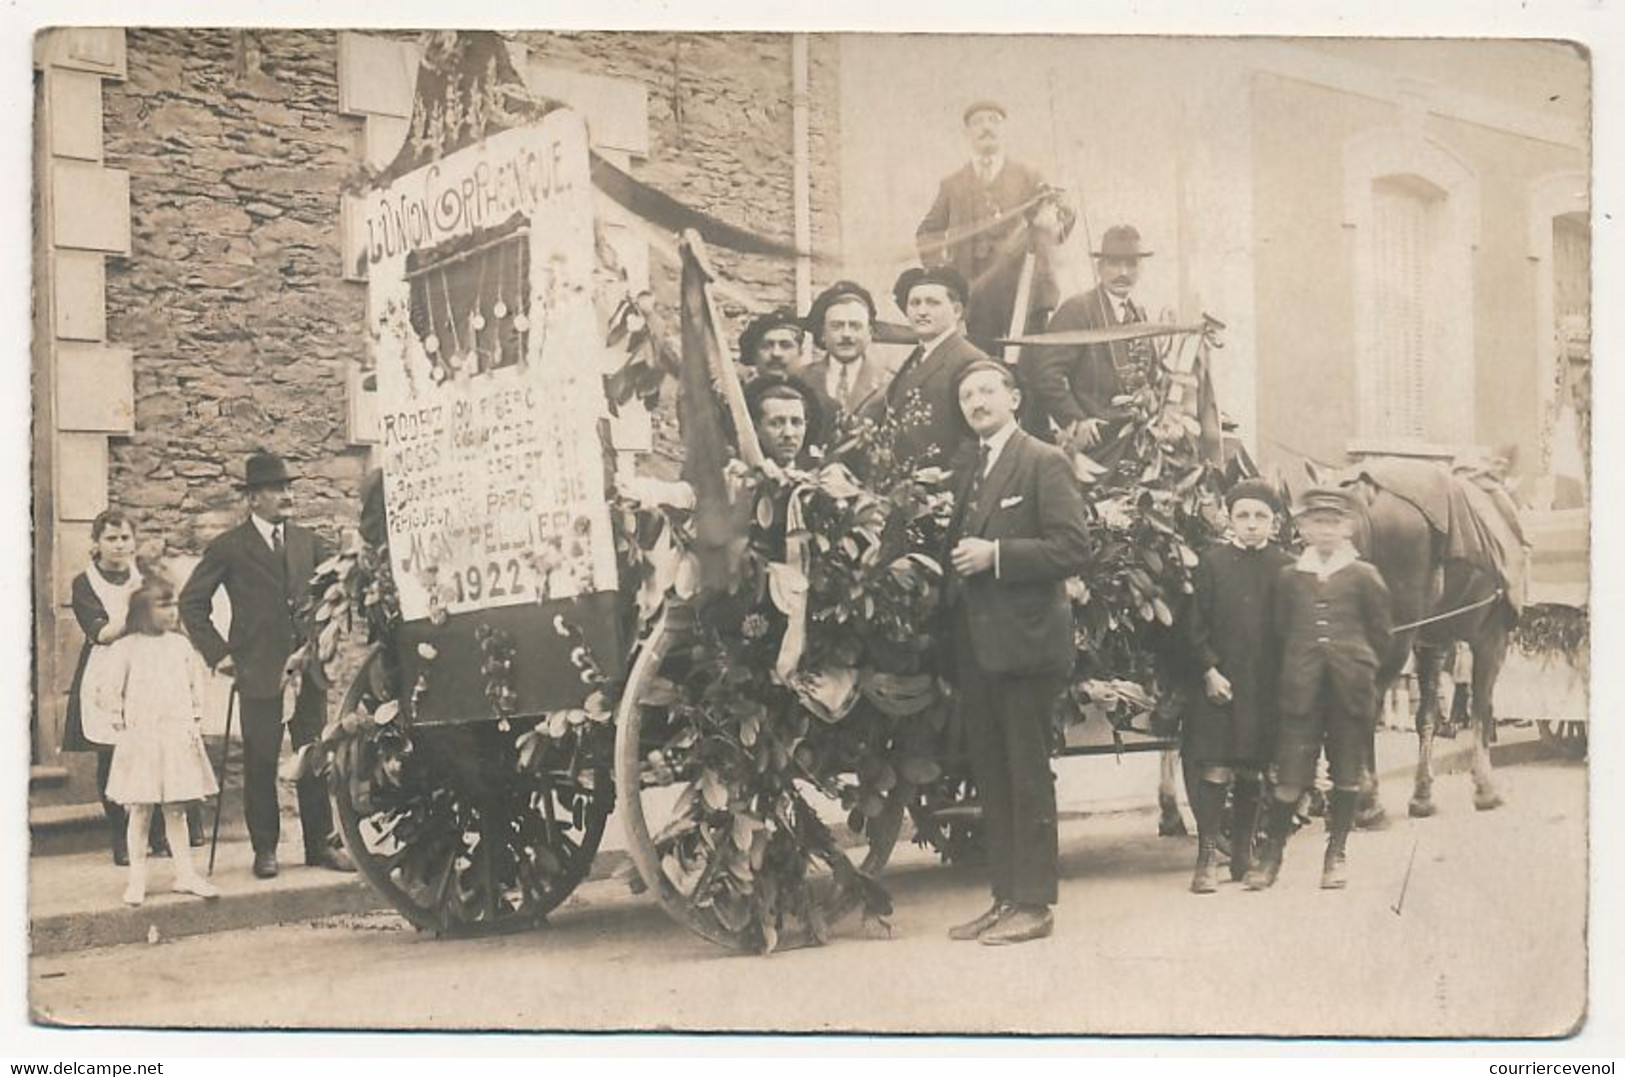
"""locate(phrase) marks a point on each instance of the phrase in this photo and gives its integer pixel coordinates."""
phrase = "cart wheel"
(654, 828)
(444, 823)
(1569, 737)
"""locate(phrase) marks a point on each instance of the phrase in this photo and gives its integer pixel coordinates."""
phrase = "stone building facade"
(201, 294)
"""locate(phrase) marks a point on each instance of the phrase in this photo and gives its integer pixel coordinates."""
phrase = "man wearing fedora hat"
(265, 565)
(987, 217)
(1073, 386)
(920, 401)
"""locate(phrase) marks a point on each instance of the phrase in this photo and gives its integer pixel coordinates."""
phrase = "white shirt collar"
(832, 377)
(929, 346)
(1323, 568)
(266, 529)
(997, 441)
(994, 166)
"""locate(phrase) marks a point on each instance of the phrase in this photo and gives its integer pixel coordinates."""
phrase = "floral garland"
(1545, 630)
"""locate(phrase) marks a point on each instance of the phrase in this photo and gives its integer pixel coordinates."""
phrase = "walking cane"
(220, 778)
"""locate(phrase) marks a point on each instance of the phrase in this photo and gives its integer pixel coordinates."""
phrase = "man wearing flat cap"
(265, 565)
(987, 217)
(1073, 386)
(848, 380)
(920, 400)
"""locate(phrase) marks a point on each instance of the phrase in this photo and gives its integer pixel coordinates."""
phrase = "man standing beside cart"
(1018, 534)
(265, 565)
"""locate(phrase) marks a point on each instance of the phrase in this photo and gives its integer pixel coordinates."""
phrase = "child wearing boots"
(152, 683)
(1229, 732)
(1334, 619)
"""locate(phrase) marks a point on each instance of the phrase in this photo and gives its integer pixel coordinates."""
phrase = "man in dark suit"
(1018, 533)
(986, 219)
(1073, 387)
(920, 400)
(265, 565)
(848, 380)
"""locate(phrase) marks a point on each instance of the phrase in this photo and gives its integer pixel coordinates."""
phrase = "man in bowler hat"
(265, 565)
(1073, 386)
(987, 217)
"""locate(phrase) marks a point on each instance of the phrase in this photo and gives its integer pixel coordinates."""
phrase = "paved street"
(1489, 942)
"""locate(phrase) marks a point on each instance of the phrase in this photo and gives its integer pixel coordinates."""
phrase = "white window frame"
(1404, 153)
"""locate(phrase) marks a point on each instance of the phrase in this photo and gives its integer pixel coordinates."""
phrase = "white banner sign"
(489, 354)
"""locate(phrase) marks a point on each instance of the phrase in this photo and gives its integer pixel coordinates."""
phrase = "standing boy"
(1333, 614)
(1229, 733)
(1017, 535)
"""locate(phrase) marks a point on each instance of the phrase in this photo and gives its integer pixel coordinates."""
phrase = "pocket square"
(1011, 502)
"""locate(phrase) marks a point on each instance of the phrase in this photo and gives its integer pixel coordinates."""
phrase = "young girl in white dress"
(152, 681)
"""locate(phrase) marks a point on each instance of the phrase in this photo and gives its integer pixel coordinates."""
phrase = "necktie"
(975, 488)
(276, 540)
(843, 387)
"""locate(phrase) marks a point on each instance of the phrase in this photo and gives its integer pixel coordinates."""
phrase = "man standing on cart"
(987, 220)
(1018, 534)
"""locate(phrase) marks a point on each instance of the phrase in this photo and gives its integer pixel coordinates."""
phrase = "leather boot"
(1340, 820)
(1243, 827)
(1209, 811)
(1267, 868)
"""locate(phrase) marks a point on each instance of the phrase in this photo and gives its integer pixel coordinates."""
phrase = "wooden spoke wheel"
(446, 825)
(673, 853)
(1569, 737)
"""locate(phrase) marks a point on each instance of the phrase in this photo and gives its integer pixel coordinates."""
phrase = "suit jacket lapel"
(899, 386)
(260, 552)
(993, 487)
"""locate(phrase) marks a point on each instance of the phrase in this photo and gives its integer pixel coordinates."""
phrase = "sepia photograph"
(799, 531)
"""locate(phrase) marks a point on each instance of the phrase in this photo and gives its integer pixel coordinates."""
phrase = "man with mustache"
(1074, 386)
(986, 218)
(849, 380)
(1018, 534)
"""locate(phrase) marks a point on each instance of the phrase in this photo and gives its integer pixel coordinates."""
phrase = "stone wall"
(720, 134)
(721, 139)
(231, 296)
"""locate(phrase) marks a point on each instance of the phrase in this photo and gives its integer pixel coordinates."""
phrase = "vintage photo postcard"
(810, 532)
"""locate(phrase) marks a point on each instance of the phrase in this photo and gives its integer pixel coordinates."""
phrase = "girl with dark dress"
(1229, 736)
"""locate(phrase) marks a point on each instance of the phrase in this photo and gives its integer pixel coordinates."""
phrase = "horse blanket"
(1474, 519)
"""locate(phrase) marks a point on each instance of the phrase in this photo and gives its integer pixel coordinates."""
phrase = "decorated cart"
(747, 675)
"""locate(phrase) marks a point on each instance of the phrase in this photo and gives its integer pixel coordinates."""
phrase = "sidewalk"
(75, 899)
